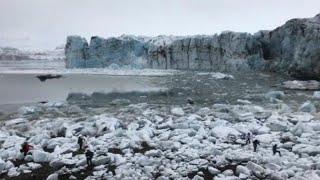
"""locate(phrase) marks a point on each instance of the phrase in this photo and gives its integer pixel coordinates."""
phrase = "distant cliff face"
(293, 48)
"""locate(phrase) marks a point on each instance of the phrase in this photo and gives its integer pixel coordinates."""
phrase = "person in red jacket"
(25, 148)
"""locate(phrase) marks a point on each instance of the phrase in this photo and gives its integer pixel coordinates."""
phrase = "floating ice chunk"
(105, 123)
(277, 123)
(306, 148)
(238, 156)
(101, 160)
(54, 176)
(256, 169)
(34, 166)
(41, 156)
(308, 106)
(316, 95)
(243, 101)
(265, 138)
(13, 141)
(3, 165)
(242, 170)
(300, 128)
(178, 111)
(74, 109)
(13, 172)
(224, 131)
(300, 116)
(213, 170)
(275, 95)
(28, 109)
(218, 75)
(15, 121)
(302, 85)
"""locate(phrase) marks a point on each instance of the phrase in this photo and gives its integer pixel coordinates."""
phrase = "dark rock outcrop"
(293, 48)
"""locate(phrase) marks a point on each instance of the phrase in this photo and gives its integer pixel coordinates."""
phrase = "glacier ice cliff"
(292, 48)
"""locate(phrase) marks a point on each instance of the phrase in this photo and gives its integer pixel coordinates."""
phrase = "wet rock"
(308, 106)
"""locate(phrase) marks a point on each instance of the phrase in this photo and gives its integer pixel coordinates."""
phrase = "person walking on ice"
(255, 145)
(89, 156)
(248, 138)
(275, 150)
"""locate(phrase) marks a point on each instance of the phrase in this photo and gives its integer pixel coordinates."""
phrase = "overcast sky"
(47, 22)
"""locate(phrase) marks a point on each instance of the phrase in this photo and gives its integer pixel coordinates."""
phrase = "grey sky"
(47, 22)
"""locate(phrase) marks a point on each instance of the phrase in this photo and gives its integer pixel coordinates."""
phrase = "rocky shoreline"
(292, 49)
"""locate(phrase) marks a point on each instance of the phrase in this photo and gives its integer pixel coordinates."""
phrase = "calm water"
(26, 88)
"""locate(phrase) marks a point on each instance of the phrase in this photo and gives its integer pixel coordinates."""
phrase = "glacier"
(292, 48)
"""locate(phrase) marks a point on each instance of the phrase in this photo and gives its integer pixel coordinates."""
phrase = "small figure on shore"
(248, 138)
(275, 150)
(25, 148)
(255, 145)
(89, 156)
(80, 142)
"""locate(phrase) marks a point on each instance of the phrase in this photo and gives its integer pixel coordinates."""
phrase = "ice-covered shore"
(145, 141)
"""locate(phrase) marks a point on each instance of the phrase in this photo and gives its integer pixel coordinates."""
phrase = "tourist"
(275, 150)
(255, 145)
(248, 138)
(25, 148)
(89, 156)
(80, 142)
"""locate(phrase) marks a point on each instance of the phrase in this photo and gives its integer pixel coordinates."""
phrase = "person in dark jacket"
(80, 142)
(275, 150)
(25, 148)
(248, 138)
(255, 145)
(89, 156)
